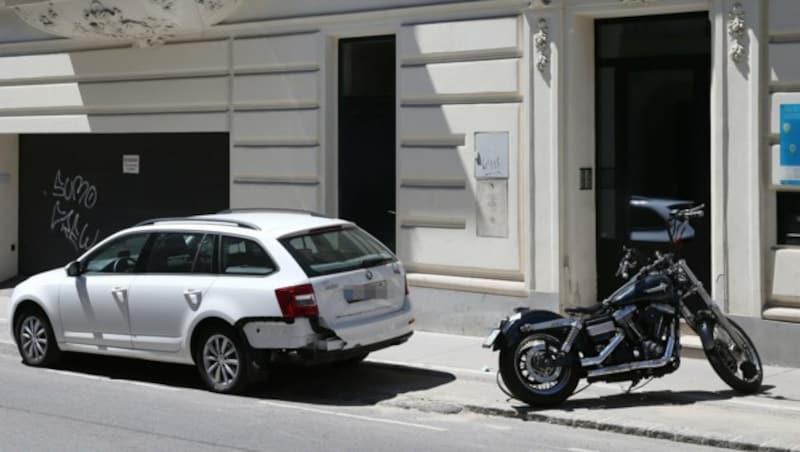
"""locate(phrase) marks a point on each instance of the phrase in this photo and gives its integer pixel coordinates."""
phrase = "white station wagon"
(230, 292)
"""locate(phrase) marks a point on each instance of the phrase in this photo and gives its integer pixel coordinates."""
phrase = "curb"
(651, 431)
(654, 432)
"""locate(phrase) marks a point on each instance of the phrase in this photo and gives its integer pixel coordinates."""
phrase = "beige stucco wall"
(9, 184)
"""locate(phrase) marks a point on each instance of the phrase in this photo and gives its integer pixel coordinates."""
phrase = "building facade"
(494, 144)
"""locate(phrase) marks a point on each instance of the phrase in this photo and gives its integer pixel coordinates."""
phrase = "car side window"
(120, 256)
(174, 252)
(245, 257)
(204, 261)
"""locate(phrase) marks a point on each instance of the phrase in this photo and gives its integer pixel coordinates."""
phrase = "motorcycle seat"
(593, 309)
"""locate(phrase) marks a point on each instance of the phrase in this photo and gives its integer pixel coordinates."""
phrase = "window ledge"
(459, 283)
(782, 314)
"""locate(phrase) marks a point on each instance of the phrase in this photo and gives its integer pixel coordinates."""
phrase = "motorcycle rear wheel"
(735, 359)
(530, 373)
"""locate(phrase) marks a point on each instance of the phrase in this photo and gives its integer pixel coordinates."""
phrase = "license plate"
(371, 291)
(489, 341)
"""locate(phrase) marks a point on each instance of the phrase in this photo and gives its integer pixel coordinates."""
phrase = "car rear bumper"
(353, 337)
(317, 356)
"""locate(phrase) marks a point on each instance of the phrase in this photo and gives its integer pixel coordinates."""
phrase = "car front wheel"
(221, 362)
(35, 340)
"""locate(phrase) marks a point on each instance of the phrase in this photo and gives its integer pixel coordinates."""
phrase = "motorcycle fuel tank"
(654, 287)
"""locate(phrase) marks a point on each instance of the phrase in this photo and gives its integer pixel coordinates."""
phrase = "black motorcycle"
(630, 336)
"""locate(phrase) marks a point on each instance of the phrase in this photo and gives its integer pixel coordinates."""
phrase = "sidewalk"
(691, 405)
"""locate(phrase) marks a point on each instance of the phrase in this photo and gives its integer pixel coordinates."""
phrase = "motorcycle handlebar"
(686, 214)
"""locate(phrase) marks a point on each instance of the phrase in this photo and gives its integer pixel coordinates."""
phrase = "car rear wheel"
(221, 361)
(35, 340)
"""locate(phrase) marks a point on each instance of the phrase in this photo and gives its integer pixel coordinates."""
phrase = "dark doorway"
(75, 190)
(653, 129)
(367, 134)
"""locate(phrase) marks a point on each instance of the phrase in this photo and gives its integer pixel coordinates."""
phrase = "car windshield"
(335, 250)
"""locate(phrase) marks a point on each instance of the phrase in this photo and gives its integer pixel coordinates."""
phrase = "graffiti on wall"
(73, 195)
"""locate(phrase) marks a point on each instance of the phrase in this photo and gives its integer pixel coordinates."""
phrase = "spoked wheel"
(221, 362)
(735, 359)
(35, 340)
(536, 373)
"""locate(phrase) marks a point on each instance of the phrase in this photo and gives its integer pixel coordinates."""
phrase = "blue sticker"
(790, 144)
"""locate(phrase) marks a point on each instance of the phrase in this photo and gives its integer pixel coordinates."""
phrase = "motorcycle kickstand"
(633, 385)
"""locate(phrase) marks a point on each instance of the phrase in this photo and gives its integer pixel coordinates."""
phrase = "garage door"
(77, 189)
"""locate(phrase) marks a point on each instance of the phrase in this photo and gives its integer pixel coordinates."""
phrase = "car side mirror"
(74, 268)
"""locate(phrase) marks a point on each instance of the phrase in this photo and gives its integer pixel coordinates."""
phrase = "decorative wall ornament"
(541, 40)
(737, 31)
(143, 22)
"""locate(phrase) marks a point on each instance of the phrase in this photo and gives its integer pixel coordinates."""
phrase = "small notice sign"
(130, 164)
(790, 145)
(491, 155)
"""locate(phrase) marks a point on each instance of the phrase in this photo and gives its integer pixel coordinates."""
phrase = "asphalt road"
(96, 403)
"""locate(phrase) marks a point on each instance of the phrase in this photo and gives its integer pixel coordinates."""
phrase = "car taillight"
(297, 301)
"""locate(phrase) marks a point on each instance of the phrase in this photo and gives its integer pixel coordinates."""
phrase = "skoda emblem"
(369, 274)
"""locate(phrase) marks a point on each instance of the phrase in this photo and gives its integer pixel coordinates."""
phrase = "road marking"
(147, 385)
(74, 374)
(109, 379)
(352, 416)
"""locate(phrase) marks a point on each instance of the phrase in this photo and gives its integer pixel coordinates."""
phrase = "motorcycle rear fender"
(513, 327)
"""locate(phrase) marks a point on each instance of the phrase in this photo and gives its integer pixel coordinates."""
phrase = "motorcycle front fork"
(699, 321)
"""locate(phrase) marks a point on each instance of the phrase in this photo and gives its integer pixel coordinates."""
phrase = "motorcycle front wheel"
(735, 358)
(535, 373)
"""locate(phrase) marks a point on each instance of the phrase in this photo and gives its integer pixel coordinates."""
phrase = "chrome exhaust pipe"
(627, 367)
(597, 360)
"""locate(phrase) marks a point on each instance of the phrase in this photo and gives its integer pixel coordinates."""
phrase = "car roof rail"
(271, 209)
(239, 223)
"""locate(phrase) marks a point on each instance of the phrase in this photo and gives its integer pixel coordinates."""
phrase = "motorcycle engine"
(647, 331)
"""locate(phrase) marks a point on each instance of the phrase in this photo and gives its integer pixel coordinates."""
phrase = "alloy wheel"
(221, 361)
(33, 337)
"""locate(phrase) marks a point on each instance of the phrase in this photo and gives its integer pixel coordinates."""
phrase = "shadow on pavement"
(354, 385)
(642, 399)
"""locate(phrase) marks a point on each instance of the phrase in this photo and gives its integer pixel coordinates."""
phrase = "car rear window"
(334, 250)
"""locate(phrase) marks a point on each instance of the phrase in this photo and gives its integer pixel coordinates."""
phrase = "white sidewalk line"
(769, 406)
(351, 416)
(457, 336)
(432, 367)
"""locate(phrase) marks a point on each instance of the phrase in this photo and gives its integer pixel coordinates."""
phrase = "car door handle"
(193, 296)
(119, 293)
